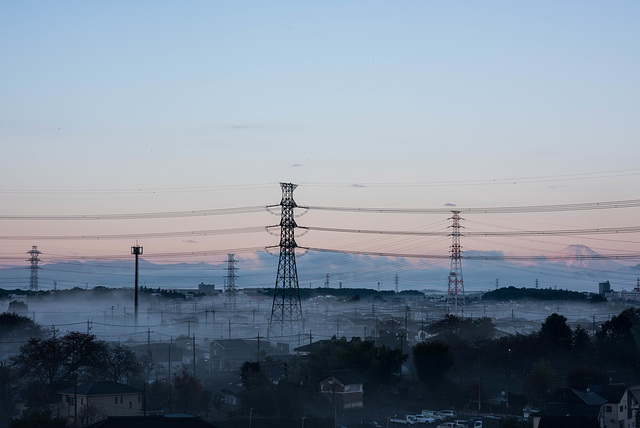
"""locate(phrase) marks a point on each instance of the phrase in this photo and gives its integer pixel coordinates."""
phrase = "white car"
(434, 415)
(422, 419)
(450, 414)
(451, 425)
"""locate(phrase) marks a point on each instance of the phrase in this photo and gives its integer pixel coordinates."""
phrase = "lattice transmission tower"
(33, 277)
(286, 311)
(456, 283)
(230, 281)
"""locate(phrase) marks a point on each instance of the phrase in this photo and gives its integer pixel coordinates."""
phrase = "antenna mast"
(136, 250)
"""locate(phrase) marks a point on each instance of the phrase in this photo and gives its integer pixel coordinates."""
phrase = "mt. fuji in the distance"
(583, 257)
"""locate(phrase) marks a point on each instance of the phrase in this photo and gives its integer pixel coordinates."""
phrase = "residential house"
(610, 406)
(620, 407)
(571, 408)
(93, 401)
(344, 388)
(229, 354)
(311, 347)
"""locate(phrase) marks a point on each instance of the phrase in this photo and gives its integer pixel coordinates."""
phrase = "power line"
(559, 232)
(493, 181)
(140, 216)
(208, 232)
(143, 190)
(483, 257)
(633, 203)
(151, 255)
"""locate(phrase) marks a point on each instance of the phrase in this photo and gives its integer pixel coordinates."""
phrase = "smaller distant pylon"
(230, 283)
(34, 260)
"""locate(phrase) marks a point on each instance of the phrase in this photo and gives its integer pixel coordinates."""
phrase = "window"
(622, 408)
(116, 400)
(608, 409)
(120, 399)
(130, 404)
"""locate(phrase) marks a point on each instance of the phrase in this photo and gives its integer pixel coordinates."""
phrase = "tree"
(14, 326)
(252, 376)
(159, 395)
(555, 331)
(432, 360)
(582, 377)
(379, 365)
(18, 306)
(452, 329)
(7, 393)
(90, 413)
(580, 341)
(47, 364)
(38, 418)
(85, 355)
(540, 383)
(616, 340)
(189, 396)
(120, 364)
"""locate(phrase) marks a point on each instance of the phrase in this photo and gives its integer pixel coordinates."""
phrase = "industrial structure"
(33, 277)
(136, 250)
(286, 311)
(456, 283)
(230, 282)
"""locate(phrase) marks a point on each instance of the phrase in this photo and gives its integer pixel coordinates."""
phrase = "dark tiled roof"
(613, 393)
(570, 395)
(568, 422)
(348, 377)
(101, 388)
(236, 343)
(559, 409)
(312, 347)
(166, 421)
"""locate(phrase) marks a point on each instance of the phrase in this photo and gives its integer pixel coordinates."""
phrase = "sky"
(155, 107)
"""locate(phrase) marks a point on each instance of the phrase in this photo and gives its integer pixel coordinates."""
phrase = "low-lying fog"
(109, 315)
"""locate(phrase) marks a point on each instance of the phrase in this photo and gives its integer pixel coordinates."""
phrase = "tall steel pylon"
(286, 312)
(33, 277)
(230, 282)
(456, 283)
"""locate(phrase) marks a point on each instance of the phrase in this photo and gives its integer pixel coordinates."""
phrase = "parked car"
(449, 414)
(405, 420)
(451, 425)
(422, 419)
(435, 415)
(369, 424)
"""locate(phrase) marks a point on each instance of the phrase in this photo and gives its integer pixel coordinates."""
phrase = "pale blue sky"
(162, 95)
